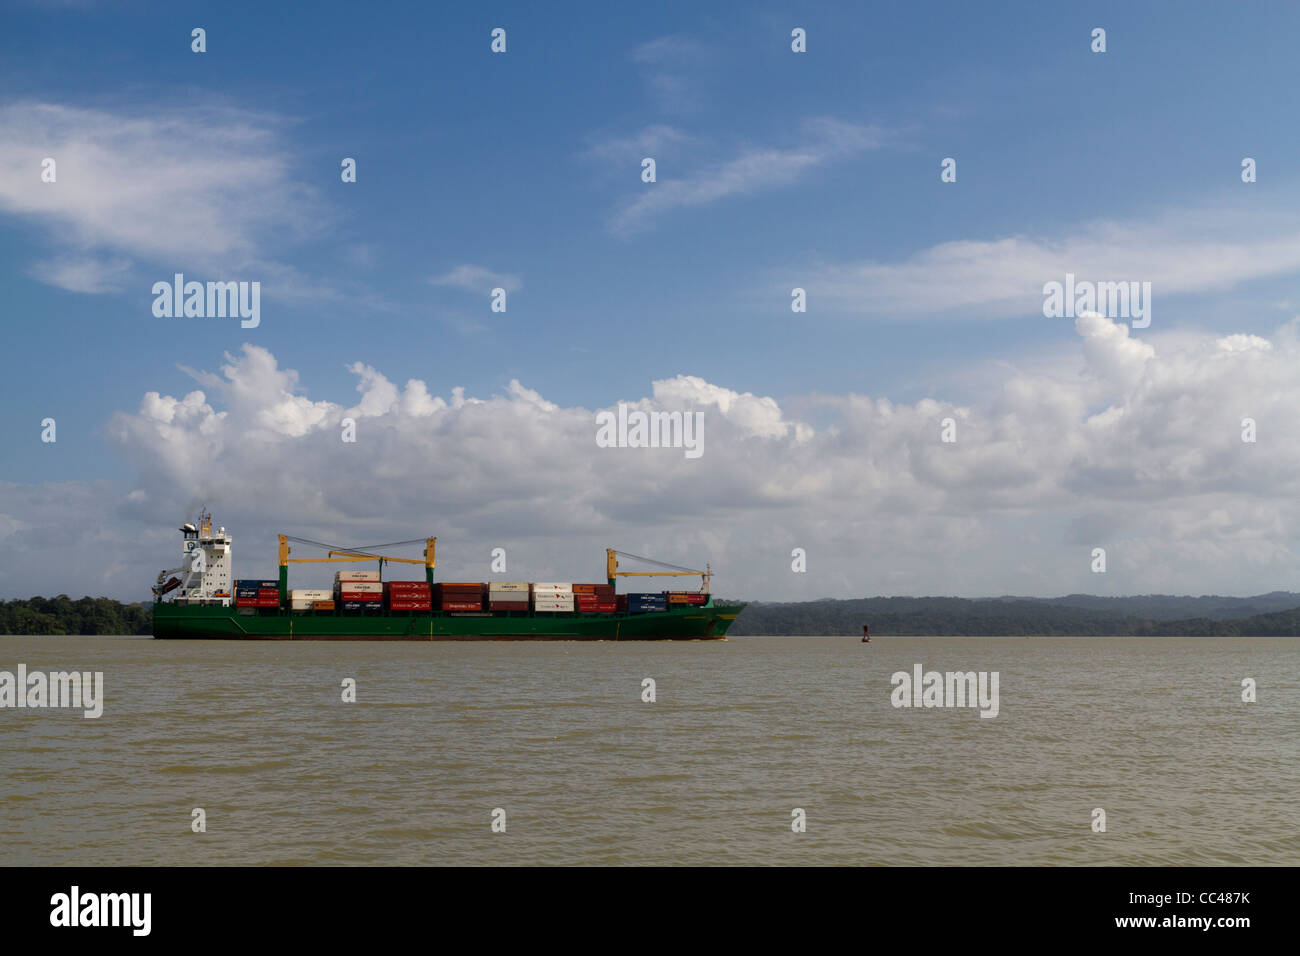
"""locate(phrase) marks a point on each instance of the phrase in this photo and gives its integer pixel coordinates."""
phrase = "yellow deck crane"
(613, 573)
(368, 553)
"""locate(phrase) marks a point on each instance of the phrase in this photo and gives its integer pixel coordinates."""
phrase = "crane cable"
(675, 567)
(368, 549)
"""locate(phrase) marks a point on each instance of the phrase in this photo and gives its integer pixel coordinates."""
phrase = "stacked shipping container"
(304, 599)
(647, 603)
(257, 594)
(363, 591)
(408, 596)
(358, 590)
(549, 597)
(456, 596)
(508, 596)
(595, 598)
(687, 597)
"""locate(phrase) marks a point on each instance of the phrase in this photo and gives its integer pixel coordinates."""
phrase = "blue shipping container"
(646, 603)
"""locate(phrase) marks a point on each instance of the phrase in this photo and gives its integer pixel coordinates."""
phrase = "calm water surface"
(1153, 730)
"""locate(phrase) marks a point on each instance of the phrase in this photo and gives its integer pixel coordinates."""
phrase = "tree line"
(63, 615)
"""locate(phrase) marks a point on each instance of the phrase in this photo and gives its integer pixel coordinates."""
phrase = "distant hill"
(1277, 613)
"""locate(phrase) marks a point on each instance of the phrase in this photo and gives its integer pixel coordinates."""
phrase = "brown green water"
(1152, 730)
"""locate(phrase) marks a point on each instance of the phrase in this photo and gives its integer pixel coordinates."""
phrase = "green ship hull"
(214, 622)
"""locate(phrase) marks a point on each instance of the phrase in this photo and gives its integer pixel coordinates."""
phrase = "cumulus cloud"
(1132, 448)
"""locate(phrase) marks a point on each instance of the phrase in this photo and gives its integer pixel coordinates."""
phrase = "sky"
(774, 170)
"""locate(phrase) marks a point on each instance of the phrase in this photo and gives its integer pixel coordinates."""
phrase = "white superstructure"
(205, 571)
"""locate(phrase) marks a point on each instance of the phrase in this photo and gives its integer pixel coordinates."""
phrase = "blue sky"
(775, 170)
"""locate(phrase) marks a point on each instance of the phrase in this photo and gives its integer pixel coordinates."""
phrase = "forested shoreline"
(1082, 615)
(64, 615)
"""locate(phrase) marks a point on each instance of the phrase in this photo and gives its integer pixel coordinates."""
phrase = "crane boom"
(337, 553)
(613, 573)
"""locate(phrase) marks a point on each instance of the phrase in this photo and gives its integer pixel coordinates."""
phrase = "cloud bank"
(1128, 448)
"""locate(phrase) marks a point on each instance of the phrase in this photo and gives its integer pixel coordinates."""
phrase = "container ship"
(201, 600)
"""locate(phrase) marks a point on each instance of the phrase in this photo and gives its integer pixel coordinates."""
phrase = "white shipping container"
(548, 609)
(356, 576)
(310, 594)
(508, 586)
(551, 586)
(360, 587)
(554, 600)
(300, 605)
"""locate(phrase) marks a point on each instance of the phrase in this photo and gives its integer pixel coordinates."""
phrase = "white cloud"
(1199, 250)
(670, 67)
(755, 169)
(626, 152)
(199, 188)
(1134, 447)
(474, 278)
(90, 276)
(668, 49)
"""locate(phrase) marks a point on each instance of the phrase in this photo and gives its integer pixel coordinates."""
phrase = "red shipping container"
(410, 606)
(508, 605)
(462, 606)
(268, 602)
